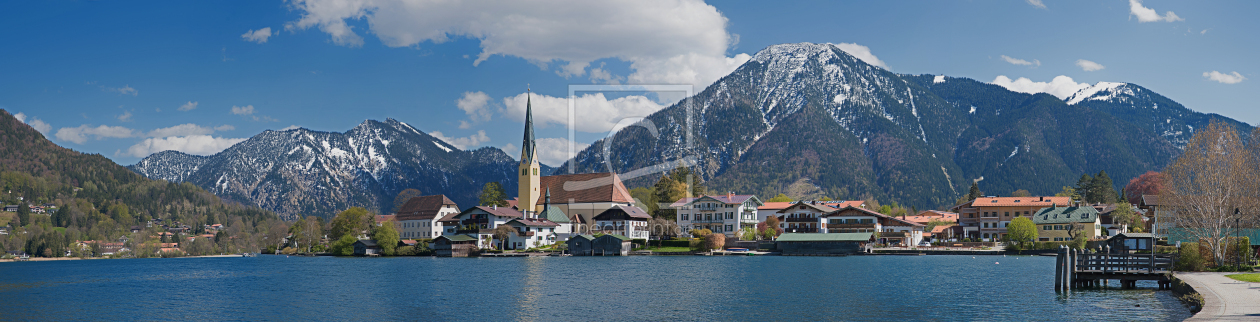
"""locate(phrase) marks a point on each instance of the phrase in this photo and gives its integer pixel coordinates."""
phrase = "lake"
(855, 288)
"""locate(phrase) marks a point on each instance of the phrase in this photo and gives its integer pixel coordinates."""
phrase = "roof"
(1134, 235)
(367, 242)
(942, 228)
(842, 204)
(1020, 201)
(632, 211)
(534, 222)
(587, 237)
(926, 219)
(622, 238)
(775, 205)
(384, 218)
(938, 213)
(808, 237)
(408, 242)
(1063, 215)
(823, 209)
(493, 210)
(585, 188)
(423, 207)
(726, 199)
(457, 238)
(1176, 235)
(554, 214)
(1151, 200)
(876, 214)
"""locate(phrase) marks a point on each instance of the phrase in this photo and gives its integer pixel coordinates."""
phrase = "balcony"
(474, 221)
(708, 221)
(850, 226)
(525, 234)
(801, 219)
(800, 230)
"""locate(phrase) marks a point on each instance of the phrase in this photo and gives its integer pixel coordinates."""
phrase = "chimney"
(730, 195)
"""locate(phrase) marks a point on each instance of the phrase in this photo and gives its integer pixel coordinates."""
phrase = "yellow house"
(1062, 223)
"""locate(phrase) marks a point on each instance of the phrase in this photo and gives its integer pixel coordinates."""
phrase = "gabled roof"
(554, 214)
(423, 207)
(531, 222)
(829, 237)
(367, 242)
(819, 208)
(1020, 201)
(631, 211)
(1133, 235)
(725, 199)
(383, 218)
(585, 188)
(622, 238)
(1062, 215)
(1150, 200)
(893, 221)
(842, 204)
(497, 211)
(456, 238)
(774, 205)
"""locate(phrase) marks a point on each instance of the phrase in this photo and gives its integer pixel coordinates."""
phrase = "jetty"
(1075, 268)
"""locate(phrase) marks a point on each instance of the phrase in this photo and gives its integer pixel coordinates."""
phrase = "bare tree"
(1211, 189)
(502, 233)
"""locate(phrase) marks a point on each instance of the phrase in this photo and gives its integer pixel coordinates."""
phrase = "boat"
(249, 254)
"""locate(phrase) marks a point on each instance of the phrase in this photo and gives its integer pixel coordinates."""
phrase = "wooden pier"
(1074, 268)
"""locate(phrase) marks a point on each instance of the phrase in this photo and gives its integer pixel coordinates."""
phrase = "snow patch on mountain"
(1103, 91)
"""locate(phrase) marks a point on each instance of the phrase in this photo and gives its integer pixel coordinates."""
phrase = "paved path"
(1225, 299)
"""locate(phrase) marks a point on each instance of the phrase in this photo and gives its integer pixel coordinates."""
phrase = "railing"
(800, 230)
(715, 220)
(800, 219)
(850, 226)
(525, 234)
(475, 221)
(468, 231)
(1124, 263)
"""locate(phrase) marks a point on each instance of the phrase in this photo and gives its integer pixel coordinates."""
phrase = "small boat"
(249, 254)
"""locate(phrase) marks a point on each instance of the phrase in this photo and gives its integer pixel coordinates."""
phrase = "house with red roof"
(418, 218)
(986, 218)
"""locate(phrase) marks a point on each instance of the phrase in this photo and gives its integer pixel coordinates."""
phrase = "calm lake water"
(858, 288)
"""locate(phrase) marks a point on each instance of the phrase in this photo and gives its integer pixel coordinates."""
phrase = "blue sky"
(125, 79)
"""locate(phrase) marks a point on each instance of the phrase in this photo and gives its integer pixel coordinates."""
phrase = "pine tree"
(492, 194)
(974, 192)
(1083, 187)
(1101, 189)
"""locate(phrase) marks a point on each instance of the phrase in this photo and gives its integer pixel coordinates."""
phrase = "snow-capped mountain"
(1147, 109)
(307, 172)
(812, 119)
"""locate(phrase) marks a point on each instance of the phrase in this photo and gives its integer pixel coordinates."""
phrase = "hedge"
(670, 243)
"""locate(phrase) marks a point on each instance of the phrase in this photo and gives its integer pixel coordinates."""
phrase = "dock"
(1074, 268)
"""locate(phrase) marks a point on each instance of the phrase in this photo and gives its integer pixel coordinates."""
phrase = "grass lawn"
(5, 218)
(1254, 278)
(668, 249)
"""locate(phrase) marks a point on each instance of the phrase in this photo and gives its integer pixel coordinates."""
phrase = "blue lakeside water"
(857, 288)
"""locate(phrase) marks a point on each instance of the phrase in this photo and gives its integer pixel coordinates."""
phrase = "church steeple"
(529, 180)
(528, 153)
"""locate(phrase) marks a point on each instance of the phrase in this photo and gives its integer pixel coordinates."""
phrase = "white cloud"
(555, 151)
(258, 36)
(224, 127)
(594, 112)
(243, 110)
(125, 117)
(1037, 3)
(125, 90)
(80, 134)
(181, 130)
(472, 141)
(861, 52)
(1145, 14)
(476, 105)
(290, 127)
(1089, 66)
(188, 106)
(1223, 78)
(1021, 62)
(193, 144)
(35, 123)
(1061, 86)
(675, 42)
(511, 150)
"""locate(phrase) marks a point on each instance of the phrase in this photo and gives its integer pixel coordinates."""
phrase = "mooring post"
(1071, 268)
(1058, 270)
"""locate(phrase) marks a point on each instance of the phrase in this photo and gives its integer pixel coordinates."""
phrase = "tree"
(492, 194)
(344, 246)
(715, 241)
(780, 198)
(1068, 192)
(1149, 183)
(1101, 189)
(1076, 230)
(974, 192)
(825, 198)
(1021, 230)
(387, 237)
(934, 222)
(1021, 193)
(662, 228)
(1212, 188)
(23, 214)
(645, 199)
(353, 221)
(770, 228)
(675, 185)
(404, 196)
(747, 234)
(502, 233)
(1083, 187)
(1124, 215)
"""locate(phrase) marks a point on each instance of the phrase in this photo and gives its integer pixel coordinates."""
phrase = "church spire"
(527, 144)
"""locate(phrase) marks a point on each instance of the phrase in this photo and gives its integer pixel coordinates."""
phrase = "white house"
(803, 217)
(420, 216)
(478, 222)
(725, 214)
(891, 230)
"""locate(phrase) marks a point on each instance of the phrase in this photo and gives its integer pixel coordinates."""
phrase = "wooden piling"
(1058, 270)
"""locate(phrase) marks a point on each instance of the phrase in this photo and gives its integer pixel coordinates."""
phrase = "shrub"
(405, 251)
(715, 241)
(638, 243)
(1189, 258)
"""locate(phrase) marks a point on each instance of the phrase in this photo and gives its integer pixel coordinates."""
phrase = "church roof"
(585, 188)
(527, 143)
(554, 214)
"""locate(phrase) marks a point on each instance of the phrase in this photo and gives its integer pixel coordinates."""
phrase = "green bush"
(1189, 259)
(343, 246)
(638, 243)
(1165, 249)
(670, 243)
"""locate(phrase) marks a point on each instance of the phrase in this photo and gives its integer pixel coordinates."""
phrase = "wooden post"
(1071, 268)
(1058, 270)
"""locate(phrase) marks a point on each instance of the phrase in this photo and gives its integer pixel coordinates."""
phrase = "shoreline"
(1224, 298)
(56, 259)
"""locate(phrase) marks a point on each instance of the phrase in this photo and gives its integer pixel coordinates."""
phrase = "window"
(868, 221)
(684, 217)
(728, 228)
(709, 217)
(730, 215)
(535, 171)
(1047, 227)
(1008, 214)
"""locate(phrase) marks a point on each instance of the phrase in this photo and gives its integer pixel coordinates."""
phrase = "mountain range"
(304, 172)
(806, 119)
